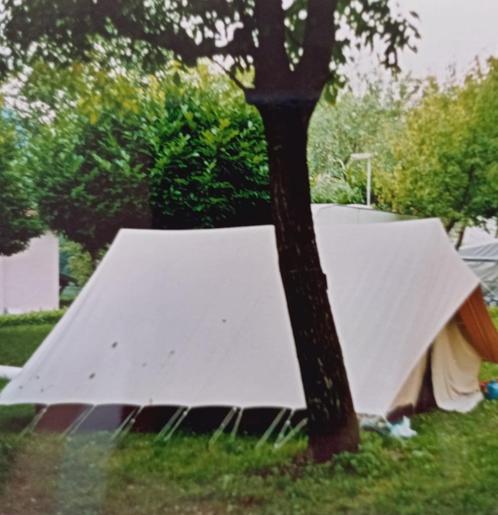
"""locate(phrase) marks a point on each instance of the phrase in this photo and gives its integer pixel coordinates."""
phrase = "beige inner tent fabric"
(478, 327)
(455, 370)
(409, 393)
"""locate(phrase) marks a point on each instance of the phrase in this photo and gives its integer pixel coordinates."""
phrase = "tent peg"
(222, 426)
(285, 427)
(169, 423)
(78, 421)
(271, 428)
(127, 423)
(176, 425)
(291, 433)
(236, 425)
(33, 423)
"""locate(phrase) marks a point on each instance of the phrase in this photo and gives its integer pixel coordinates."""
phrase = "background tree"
(204, 152)
(447, 154)
(18, 220)
(163, 151)
(87, 183)
(293, 51)
(363, 120)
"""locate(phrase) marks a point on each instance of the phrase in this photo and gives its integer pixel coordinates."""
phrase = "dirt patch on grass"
(29, 485)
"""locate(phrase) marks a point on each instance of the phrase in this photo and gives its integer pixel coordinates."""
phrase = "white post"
(369, 182)
(368, 157)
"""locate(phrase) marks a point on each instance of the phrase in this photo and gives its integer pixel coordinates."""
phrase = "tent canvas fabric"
(29, 280)
(482, 258)
(198, 318)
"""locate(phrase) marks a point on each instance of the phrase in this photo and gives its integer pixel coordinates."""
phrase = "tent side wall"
(478, 327)
(483, 260)
(326, 214)
(190, 312)
(452, 381)
(29, 280)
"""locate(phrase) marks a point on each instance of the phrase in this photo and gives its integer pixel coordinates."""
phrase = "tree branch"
(272, 63)
(233, 77)
(180, 43)
(318, 44)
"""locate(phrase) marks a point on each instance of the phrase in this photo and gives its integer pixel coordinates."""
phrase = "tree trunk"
(332, 423)
(461, 234)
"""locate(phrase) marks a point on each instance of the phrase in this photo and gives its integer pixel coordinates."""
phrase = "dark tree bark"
(332, 424)
(286, 99)
(461, 233)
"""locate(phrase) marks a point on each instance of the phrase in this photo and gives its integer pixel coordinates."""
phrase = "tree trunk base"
(322, 448)
(332, 423)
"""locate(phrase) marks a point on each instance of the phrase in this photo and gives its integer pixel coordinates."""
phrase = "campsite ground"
(450, 467)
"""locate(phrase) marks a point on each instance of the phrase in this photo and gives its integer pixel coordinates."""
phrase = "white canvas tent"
(29, 280)
(482, 258)
(478, 235)
(198, 318)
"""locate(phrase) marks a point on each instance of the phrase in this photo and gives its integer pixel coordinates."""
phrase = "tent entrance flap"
(455, 366)
(478, 327)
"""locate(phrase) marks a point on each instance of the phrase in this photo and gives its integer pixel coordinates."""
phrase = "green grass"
(451, 467)
(494, 315)
(17, 343)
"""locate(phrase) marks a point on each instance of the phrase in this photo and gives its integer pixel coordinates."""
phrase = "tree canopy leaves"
(447, 153)
(295, 46)
(18, 218)
(162, 151)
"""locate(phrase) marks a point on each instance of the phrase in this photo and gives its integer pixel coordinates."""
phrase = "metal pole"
(291, 433)
(72, 428)
(222, 426)
(368, 157)
(270, 429)
(369, 182)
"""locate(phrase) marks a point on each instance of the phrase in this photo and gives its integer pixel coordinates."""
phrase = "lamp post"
(366, 156)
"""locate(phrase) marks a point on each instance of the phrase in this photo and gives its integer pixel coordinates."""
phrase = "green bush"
(18, 221)
(494, 314)
(178, 150)
(87, 179)
(206, 155)
(75, 263)
(35, 318)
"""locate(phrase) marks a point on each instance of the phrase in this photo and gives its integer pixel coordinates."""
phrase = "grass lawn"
(451, 467)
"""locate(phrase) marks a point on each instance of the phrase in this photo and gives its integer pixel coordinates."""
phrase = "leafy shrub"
(164, 151)
(88, 183)
(206, 152)
(35, 318)
(75, 263)
(494, 314)
(18, 222)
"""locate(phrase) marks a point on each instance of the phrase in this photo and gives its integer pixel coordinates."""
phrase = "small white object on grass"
(9, 373)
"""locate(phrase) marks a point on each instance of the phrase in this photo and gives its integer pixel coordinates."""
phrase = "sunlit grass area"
(449, 467)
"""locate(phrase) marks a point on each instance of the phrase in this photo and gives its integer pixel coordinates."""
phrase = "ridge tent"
(198, 319)
(482, 258)
(325, 214)
(29, 280)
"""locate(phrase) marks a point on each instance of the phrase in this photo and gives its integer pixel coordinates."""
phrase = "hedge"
(35, 318)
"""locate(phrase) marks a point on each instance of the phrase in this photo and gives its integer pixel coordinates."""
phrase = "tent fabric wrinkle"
(455, 371)
(198, 318)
